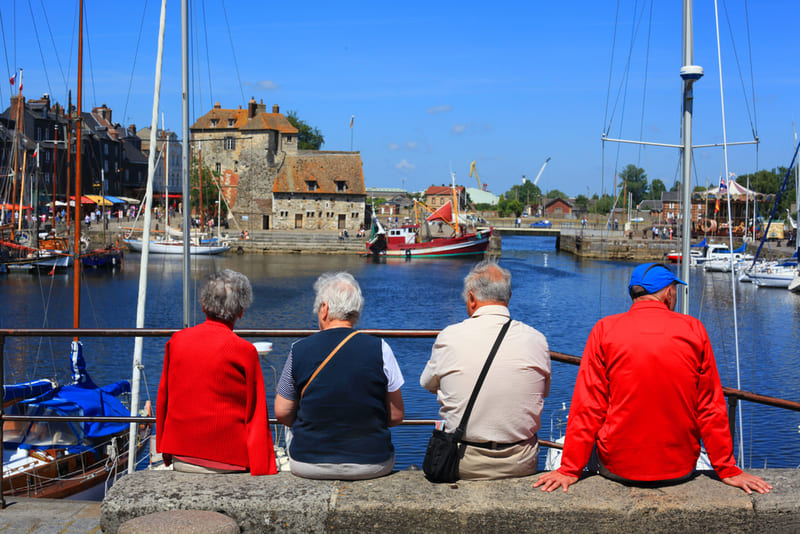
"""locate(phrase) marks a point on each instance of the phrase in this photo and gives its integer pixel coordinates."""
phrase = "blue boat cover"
(81, 398)
(26, 390)
(701, 244)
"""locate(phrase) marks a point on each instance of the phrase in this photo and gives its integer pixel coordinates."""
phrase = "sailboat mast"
(148, 215)
(185, 154)
(690, 73)
(76, 264)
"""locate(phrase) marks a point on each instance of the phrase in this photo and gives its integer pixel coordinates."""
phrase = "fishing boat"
(415, 240)
(49, 459)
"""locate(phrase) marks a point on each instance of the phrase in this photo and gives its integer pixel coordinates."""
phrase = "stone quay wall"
(406, 502)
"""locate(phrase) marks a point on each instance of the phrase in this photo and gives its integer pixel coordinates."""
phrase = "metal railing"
(733, 395)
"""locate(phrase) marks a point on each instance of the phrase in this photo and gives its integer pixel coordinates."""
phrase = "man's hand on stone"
(748, 483)
(554, 480)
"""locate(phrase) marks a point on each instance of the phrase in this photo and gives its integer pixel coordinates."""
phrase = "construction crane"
(473, 169)
(540, 170)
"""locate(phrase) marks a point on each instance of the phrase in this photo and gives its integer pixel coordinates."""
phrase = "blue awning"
(114, 200)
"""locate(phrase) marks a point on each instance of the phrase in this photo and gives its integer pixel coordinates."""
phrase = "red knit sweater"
(211, 401)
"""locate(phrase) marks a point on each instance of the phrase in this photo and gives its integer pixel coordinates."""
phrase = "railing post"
(733, 401)
(2, 413)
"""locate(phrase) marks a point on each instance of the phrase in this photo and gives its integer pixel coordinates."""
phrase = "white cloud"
(439, 109)
(266, 85)
(412, 145)
(404, 165)
(458, 129)
(392, 146)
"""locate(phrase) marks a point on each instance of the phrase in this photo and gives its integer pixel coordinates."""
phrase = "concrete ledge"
(406, 502)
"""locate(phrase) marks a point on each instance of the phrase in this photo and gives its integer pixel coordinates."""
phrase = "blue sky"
(436, 85)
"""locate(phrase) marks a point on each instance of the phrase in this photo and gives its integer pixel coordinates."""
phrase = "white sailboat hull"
(176, 247)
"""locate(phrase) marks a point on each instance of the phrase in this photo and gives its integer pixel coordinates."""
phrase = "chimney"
(216, 105)
(251, 108)
(275, 108)
(132, 130)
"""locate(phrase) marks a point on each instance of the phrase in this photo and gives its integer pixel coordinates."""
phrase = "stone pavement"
(49, 516)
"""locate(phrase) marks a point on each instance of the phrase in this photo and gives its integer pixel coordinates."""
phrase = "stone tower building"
(245, 149)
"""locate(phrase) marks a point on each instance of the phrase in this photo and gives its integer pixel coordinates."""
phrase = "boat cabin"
(404, 235)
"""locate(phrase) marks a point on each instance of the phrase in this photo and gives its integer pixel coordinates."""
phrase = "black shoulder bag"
(445, 449)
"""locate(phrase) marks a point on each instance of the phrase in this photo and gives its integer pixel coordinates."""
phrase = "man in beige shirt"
(501, 432)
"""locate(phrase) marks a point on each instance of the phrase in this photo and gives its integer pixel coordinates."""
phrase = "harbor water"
(556, 293)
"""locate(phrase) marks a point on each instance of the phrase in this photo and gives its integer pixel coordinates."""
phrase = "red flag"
(13, 79)
(20, 80)
(444, 213)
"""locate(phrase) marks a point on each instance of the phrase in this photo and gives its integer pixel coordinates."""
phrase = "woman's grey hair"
(341, 292)
(225, 295)
(488, 281)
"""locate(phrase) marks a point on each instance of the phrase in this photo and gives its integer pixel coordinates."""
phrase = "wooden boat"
(63, 459)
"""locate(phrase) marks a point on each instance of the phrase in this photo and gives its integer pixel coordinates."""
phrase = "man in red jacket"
(647, 392)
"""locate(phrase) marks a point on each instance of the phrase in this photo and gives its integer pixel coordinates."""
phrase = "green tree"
(676, 187)
(769, 183)
(526, 193)
(308, 138)
(581, 202)
(556, 193)
(634, 179)
(656, 188)
(603, 204)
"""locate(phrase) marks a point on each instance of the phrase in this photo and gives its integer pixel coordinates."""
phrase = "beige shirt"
(509, 405)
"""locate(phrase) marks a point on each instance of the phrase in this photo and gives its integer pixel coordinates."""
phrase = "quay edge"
(406, 502)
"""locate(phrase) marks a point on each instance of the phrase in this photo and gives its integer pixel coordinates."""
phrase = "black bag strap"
(462, 426)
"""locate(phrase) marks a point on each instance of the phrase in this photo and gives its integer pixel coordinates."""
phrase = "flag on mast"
(352, 117)
(13, 80)
(20, 80)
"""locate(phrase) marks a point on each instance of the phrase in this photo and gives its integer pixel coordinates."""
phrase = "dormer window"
(214, 123)
(231, 123)
(341, 186)
(311, 185)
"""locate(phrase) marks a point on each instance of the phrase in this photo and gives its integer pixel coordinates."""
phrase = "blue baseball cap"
(651, 278)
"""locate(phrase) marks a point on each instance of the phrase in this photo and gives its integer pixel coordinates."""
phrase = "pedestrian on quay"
(211, 414)
(500, 437)
(647, 392)
(340, 391)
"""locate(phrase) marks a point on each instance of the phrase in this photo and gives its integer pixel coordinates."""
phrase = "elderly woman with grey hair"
(212, 409)
(340, 391)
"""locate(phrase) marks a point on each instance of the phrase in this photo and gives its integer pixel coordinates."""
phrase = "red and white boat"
(414, 240)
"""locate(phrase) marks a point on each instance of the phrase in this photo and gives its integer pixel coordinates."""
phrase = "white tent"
(734, 189)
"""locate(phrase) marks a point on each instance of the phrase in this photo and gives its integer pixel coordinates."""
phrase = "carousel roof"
(734, 189)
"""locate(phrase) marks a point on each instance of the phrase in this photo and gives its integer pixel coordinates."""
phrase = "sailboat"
(55, 459)
(168, 245)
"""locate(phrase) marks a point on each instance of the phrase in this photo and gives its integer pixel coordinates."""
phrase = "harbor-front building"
(267, 182)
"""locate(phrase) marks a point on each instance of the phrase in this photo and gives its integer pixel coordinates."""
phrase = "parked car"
(544, 223)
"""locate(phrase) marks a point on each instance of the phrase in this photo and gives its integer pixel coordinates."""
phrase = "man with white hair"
(500, 437)
(340, 391)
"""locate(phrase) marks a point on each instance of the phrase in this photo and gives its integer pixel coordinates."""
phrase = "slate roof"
(323, 167)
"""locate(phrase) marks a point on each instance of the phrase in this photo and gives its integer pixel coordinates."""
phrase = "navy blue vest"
(342, 418)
